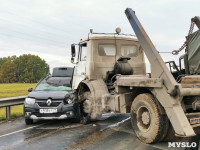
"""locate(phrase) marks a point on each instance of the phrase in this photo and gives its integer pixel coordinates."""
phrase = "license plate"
(195, 121)
(48, 111)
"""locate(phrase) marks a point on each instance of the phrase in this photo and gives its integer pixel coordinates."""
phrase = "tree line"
(26, 68)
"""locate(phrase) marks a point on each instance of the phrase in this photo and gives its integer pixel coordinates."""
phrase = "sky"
(47, 28)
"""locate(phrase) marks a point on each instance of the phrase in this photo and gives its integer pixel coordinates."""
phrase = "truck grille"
(44, 103)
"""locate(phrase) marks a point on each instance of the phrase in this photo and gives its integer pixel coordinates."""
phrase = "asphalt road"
(113, 133)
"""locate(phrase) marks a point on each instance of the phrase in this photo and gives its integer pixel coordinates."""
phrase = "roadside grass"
(13, 90)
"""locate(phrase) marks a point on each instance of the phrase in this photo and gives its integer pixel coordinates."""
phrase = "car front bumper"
(64, 111)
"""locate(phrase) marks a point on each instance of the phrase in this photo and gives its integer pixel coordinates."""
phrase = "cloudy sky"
(48, 27)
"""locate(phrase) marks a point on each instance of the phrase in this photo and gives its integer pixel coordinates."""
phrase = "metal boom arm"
(169, 95)
(158, 67)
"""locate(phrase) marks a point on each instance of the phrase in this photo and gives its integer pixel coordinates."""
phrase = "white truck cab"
(97, 56)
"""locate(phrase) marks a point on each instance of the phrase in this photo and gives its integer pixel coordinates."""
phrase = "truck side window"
(107, 50)
(83, 52)
(129, 50)
(182, 64)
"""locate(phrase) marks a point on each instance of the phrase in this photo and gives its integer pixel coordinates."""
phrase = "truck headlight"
(30, 100)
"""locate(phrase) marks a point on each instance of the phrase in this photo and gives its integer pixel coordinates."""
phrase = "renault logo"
(48, 102)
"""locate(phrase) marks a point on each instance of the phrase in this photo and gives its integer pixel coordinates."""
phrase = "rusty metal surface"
(189, 91)
(138, 81)
(191, 81)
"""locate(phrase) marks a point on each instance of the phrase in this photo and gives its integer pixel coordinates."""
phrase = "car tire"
(77, 117)
(76, 120)
(29, 121)
(85, 120)
(147, 118)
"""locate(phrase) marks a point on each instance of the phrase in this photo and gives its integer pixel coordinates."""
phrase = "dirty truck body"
(110, 76)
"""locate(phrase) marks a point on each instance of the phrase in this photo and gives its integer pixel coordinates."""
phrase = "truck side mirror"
(72, 60)
(73, 50)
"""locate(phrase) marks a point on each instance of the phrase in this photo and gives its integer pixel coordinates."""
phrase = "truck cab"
(97, 57)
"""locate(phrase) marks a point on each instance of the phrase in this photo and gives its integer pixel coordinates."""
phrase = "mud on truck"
(110, 76)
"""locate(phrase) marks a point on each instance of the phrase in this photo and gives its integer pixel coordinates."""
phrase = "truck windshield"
(45, 86)
(129, 50)
(107, 50)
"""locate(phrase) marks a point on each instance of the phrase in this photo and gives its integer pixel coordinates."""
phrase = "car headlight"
(68, 101)
(30, 100)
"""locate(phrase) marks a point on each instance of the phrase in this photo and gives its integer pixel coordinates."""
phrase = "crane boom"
(158, 67)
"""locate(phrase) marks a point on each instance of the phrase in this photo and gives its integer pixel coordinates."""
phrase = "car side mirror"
(30, 89)
(73, 50)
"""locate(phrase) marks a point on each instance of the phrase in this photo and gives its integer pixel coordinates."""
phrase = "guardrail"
(11, 101)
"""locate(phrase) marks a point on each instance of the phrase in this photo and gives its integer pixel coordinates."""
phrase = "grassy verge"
(12, 90)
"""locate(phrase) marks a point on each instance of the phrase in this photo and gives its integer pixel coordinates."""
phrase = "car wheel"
(85, 120)
(76, 120)
(147, 119)
(29, 121)
(77, 117)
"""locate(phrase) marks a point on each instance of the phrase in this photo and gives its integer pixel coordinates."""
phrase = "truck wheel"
(85, 108)
(170, 135)
(148, 121)
(29, 121)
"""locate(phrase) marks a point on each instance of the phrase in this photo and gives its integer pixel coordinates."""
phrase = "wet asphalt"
(113, 133)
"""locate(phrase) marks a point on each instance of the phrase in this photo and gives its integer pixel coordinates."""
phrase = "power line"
(49, 26)
(33, 39)
(50, 33)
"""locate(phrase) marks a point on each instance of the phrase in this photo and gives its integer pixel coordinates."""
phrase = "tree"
(25, 68)
(8, 72)
(31, 68)
(3, 60)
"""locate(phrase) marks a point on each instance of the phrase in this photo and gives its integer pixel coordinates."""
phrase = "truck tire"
(147, 119)
(170, 135)
(85, 112)
(28, 121)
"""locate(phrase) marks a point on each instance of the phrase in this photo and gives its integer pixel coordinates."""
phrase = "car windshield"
(47, 86)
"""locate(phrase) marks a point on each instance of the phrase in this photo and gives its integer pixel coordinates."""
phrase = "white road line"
(21, 130)
(116, 124)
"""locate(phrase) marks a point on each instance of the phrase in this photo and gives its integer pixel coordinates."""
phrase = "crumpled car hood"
(48, 94)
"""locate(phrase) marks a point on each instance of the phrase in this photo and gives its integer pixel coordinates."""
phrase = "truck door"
(80, 69)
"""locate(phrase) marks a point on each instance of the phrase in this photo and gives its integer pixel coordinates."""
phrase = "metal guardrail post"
(11, 101)
(8, 112)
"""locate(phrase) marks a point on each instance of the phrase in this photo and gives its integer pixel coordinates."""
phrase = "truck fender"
(99, 96)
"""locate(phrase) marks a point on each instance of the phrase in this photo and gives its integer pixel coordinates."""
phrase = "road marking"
(116, 124)
(20, 130)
